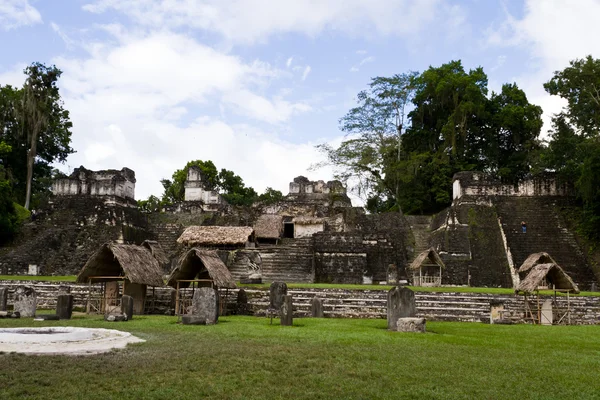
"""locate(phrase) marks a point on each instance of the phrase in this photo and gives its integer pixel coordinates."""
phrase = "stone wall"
(384, 238)
(117, 183)
(479, 184)
(67, 231)
(339, 303)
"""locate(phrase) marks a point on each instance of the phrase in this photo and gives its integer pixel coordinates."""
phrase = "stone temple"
(313, 235)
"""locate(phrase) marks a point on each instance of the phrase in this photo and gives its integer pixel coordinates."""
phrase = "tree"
(574, 147)
(38, 129)
(579, 84)
(8, 214)
(230, 185)
(453, 126)
(270, 196)
(374, 131)
(514, 128)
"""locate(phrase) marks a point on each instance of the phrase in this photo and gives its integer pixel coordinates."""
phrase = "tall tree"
(374, 130)
(579, 84)
(511, 134)
(35, 124)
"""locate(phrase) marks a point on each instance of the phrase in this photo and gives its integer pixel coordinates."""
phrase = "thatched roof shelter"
(534, 259)
(268, 226)
(215, 235)
(428, 257)
(553, 274)
(157, 251)
(201, 264)
(127, 261)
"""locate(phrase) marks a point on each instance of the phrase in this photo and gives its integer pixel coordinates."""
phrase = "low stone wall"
(339, 303)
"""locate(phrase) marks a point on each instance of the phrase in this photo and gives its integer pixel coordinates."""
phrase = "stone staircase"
(291, 261)
(166, 235)
(545, 232)
(421, 229)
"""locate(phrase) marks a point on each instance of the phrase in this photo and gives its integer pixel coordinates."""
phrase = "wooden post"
(539, 316)
(568, 309)
(87, 307)
(177, 300)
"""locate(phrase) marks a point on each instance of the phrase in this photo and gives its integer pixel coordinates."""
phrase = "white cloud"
(288, 63)
(356, 68)
(552, 32)
(156, 101)
(16, 13)
(250, 21)
(306, 72)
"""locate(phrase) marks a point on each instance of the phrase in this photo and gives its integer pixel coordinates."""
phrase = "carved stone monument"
(25, 301)
(411, 325)
(287, 311)
(3, 298)
(547, 318)
(316, 308)
(400, 304)
(64, 306)
(276, 292)
(127, 306)
(205, 307)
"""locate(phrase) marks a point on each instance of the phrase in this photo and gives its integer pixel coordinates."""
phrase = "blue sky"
(254, 85)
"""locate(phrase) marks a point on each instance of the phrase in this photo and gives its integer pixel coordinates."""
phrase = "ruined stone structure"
(480, 238)
(112, 185)
(312, 235)
(89, 208)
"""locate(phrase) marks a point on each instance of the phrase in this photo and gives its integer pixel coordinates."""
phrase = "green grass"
(246, 358)
(49, 278)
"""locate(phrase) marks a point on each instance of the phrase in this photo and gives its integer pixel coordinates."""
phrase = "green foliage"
(230, 185)
(453, 127)
(579, 84)
(574, 147)
(35, 124)
(150, 205)
(270, 196)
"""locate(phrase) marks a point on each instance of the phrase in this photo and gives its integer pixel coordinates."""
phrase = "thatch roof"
(201, 264)
(215, 235)
(134, 263)
(534, 259)
(268, 226)
(554, 275)
(157, 251)
(427, 257)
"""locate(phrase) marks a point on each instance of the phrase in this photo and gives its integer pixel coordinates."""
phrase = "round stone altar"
(63, 340)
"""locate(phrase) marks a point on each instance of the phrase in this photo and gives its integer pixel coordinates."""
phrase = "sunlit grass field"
(247, 358)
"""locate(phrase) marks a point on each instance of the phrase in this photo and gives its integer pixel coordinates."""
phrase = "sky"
(255, 85)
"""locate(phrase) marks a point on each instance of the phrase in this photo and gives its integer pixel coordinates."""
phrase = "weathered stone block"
(127, 306)
(205, 305)
(316, 308)
(287, 311)
(242, 303)
(25, 301)
(400, 304)
(3, 298)
(411, 325)
(64, 306)
(276, 292)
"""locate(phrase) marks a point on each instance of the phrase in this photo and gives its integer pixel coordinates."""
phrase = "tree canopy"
(227, 183)
(453, 125)
(37, 127)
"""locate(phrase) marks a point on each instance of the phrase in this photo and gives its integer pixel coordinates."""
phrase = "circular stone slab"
(63, 340)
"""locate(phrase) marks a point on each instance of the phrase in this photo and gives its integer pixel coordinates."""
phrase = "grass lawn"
(246, 358)
(49, 278)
